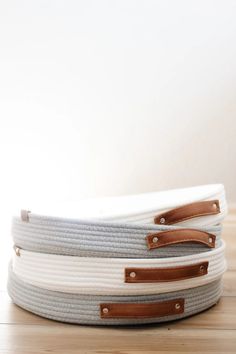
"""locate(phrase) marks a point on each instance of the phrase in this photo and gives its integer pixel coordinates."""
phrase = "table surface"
(213, 331)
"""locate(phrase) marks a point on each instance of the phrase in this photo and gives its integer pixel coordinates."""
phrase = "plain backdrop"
(103, 98)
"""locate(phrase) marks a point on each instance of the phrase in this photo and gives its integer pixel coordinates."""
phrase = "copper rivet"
(210, 240)
(105, 310)
(162, 220)
(17, 250)
(202, 268)
(155, 239)
(177, 306)
(132, 274)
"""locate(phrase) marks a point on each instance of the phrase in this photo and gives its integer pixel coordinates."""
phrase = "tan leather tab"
(17, 250)
(171, 237)
(25, 215)
(188, 211)
(156, 275)
(142, 310)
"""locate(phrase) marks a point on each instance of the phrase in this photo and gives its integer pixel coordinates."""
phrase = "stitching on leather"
(192, 217)
(152, 270)
(179, 230)
(183, 241)
(171, 311)
(216, 201)
(160, 234)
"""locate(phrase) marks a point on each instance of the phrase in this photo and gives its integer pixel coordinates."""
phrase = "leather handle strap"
(188, 211)
(25, 215)
(142, 310)
(171, 237)
(156, 275)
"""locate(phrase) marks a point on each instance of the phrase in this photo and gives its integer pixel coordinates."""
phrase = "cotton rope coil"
(103, 239)
(118, 276)
(142, 208)
(144, 258)
(98, 310)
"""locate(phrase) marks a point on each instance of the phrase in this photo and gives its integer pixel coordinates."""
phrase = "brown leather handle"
(188, 211)
(171, 237)
(142, 310)
(156, 275)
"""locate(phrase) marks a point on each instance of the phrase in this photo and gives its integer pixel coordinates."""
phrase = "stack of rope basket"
(145, 258)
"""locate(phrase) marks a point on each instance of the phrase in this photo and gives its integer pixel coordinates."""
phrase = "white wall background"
(114, 97)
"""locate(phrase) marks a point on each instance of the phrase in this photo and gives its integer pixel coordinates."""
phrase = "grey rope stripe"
(99, 239)
(84, 309)
(78, 224)
(143, 208)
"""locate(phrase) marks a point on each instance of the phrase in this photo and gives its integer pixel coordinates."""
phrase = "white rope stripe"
(106, 275)
(139, 208)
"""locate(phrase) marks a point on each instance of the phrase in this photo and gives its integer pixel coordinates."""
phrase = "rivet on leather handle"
(188, 211)
(157, 275)
(171, 237)
(142, 310)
